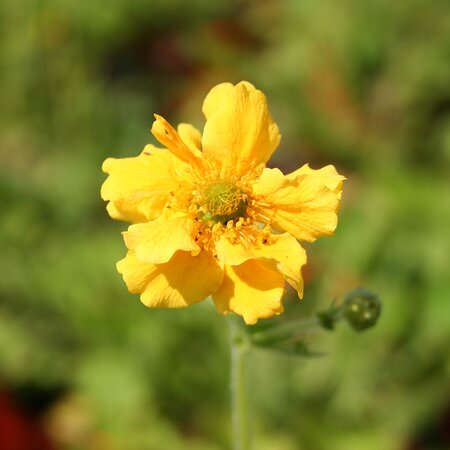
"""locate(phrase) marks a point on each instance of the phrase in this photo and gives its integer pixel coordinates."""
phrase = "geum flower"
(209, 219)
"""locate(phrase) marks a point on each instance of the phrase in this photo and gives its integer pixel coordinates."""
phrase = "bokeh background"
(364, 85)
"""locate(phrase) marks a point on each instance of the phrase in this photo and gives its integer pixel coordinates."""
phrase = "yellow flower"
(209, 219)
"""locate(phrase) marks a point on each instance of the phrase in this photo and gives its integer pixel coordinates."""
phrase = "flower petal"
(302, 206)
(215, 97)
(182, 281)
(169, 137)
(328, 175)
(117, 212)
(190, 136)
(158, 240)
(253, 290)
(240, 133)
(283, 251)
(288, 257)
(138, 187)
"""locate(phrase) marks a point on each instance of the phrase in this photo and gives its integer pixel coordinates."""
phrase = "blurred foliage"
(362, 85)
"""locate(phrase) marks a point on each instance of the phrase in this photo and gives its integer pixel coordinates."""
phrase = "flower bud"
(361, 308)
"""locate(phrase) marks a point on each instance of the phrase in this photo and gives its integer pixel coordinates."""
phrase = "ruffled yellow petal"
(117, 212)
(253, 290)
(328, 175)
(182, 281)
(138, 187)
(191, 137)
(158, 240)
(239, 132)
(169, 137)
(282, 251)
(302, 206)
(215, 97)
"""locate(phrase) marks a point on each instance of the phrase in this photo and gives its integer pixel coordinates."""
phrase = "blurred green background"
(363, 85)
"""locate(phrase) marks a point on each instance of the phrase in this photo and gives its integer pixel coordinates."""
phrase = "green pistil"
(223, 202)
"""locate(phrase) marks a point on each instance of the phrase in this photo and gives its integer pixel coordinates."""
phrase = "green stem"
(286, 330)
(240, 347)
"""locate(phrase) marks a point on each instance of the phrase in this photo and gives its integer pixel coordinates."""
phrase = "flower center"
(223, 201)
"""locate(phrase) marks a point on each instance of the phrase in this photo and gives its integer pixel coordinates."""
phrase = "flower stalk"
(360, 309)
(239, 363)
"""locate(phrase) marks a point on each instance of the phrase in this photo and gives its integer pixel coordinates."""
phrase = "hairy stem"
(240, 347)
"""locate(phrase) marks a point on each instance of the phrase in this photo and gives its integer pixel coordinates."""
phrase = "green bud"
(361, 308)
